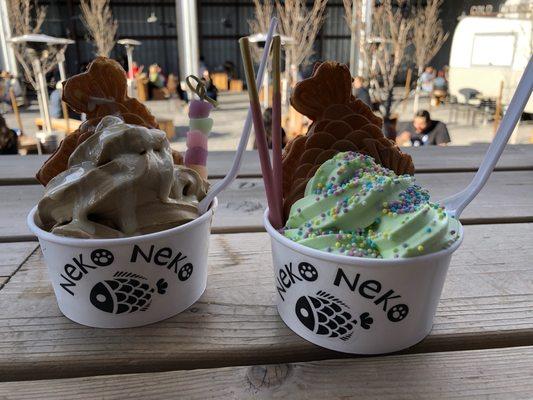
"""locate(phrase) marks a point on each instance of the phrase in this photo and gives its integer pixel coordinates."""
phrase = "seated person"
(440, 89)
(210, 88)
(135, 70)
(56, 110)
(156, 80)
(424, 131)
(56, 105)
(426, 80)
(361, 91)
(8, 139)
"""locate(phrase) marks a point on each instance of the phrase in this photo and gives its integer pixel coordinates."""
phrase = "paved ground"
(229, 119)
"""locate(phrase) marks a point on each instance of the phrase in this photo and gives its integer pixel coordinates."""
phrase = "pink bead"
(196, 139)
(196, 156)
(199, 109)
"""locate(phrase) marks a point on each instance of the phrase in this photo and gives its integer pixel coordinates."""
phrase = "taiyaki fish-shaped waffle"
(100, 91)
(340, 123)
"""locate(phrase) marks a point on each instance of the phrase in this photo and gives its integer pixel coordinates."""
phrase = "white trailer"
(487, 51)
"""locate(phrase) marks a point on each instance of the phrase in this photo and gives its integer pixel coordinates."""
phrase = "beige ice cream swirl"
(120, 182)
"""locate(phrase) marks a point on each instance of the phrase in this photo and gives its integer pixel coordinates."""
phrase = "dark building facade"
(221, 23)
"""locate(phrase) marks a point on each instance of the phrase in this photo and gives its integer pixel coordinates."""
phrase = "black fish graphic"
(125, 293)
(324, 314)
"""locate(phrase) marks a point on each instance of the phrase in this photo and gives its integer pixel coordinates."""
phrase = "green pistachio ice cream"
(353, 206)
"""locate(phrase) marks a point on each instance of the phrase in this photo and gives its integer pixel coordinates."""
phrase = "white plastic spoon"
(232, 173)
(456, 204)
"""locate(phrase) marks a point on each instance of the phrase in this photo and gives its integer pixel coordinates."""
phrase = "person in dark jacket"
(210, 88)
(424, 131)
(8, 139)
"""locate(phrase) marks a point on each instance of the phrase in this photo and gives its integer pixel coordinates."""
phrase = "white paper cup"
(127, 282)
(357, 305)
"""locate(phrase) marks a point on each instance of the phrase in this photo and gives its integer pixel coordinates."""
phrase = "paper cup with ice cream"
(353, 304)
(131, 281)
(360, 264)
(119, 222)
(362, 255)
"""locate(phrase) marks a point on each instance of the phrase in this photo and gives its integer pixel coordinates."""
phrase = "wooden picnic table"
(232, 343)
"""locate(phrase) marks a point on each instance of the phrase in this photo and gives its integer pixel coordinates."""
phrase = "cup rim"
(69, 241)
(354, 260)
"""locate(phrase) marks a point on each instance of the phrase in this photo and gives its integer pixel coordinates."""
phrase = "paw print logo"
(366, 320)
(397, 312)
(308, 272)
(185, 272)
(102, 257)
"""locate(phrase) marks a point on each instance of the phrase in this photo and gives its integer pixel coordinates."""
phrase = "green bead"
(203, 125)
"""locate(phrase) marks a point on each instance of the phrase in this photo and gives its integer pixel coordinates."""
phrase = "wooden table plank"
(487, 302)
(22, 169)
(506, 198)
(482, 374)
(12, 255)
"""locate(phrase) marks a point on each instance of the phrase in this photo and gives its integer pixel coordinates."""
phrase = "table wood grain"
(475, 375)
(233, 344)
(12, 255)
(487, 302)
(22, 169)
(508, 197)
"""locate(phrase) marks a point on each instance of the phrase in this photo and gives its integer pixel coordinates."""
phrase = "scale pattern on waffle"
(100, 91)
(340, 123)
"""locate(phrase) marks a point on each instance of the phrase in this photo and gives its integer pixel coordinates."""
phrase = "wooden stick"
(277, 140)
(260, 134)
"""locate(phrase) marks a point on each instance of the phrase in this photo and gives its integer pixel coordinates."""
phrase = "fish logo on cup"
(321, 310)
(324, 314)
(125, 293)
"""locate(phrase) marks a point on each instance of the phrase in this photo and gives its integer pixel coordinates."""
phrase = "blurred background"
(437, 72)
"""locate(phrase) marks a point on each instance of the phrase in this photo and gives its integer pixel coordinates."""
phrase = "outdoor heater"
(129, 45)
(260, 39)
(36, 46)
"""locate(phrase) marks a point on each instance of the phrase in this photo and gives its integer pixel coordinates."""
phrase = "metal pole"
(42, 93)
(129, 54)
(364, 68)
(187, 22)
(368, 7)
(9, 62)
(354, 39)
(61, 64)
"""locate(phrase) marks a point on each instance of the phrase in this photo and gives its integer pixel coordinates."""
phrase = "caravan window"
(493, 49)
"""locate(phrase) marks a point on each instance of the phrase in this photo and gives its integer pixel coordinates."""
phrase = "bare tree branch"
(428, 34)
(98, 19)
(295, 21)
(27, 17)
(263, 14)
(260, 24)
(302, 25)
(358, 23)
(394, 31)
